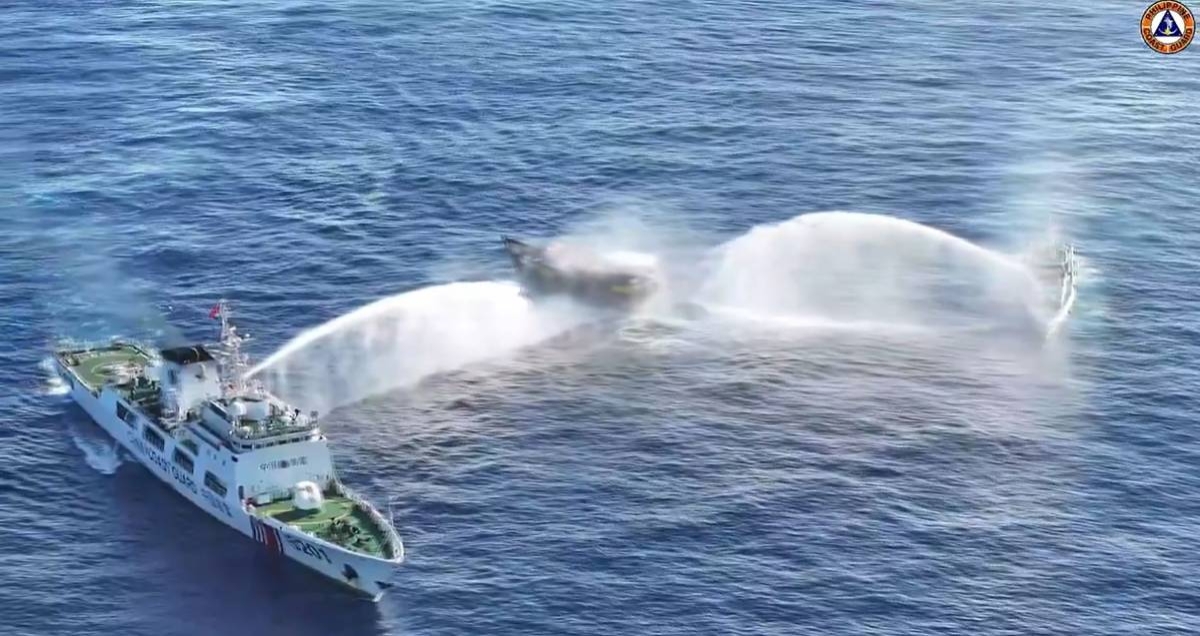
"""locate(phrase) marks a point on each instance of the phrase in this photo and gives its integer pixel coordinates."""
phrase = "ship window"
(184, 460)
(123, 413)
(153, 437)
(214, 484)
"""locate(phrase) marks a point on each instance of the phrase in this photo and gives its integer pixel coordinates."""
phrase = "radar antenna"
(234, 363)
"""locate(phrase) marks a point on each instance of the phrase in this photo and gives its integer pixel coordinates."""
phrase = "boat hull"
(366, 575)
(539, 275)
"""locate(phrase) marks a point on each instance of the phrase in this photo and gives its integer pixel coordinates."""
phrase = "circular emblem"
(1168, 27)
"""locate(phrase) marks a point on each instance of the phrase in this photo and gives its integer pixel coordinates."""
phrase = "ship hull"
(363, 574)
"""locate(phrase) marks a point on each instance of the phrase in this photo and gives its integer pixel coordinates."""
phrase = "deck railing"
(389, 530)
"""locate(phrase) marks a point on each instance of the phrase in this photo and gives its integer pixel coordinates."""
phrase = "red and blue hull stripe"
(267, 536)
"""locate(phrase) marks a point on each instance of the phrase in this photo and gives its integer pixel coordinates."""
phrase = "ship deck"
(102, 365)
(339, 521)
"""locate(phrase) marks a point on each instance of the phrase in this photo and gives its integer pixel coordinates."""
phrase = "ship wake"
(99, 451)
(54, 384)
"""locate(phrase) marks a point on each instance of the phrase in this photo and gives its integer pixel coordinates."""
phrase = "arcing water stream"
(398, 340)
(823, 270)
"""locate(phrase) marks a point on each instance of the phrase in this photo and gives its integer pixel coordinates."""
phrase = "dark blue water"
(814, 475)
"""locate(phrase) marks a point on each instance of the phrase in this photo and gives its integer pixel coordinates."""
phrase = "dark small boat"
(586, 277)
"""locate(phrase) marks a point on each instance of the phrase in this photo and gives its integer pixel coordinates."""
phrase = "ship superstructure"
(194, 418)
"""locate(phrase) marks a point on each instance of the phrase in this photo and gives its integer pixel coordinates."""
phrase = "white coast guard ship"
(239, 453)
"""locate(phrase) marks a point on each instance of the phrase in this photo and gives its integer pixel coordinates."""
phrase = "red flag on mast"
(215, 311)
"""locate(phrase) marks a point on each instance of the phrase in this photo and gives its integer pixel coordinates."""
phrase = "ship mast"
(234, 363)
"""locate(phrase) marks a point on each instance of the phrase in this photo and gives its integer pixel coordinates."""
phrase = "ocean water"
(842, 423)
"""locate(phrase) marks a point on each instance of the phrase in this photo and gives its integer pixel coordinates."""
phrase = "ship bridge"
(254, 422)
(188, 377)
